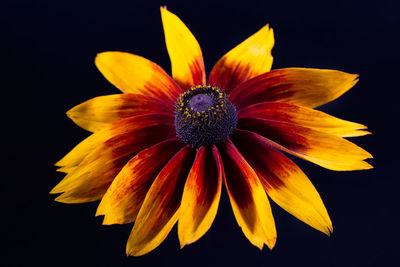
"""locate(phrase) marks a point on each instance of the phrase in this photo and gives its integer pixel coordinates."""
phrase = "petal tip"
(266, 27)
(61, 198)
(53, 191)
(330, 231)
(164, 11)
(59, 163)
(130, 251)
(100, 210)
(186, 240)
(70, 113)
(104, 56)
(182, 245)
(182, 239)
(327, 229)
(271, 243)
(354, 78)
(57, 189)
(368, 166)
(100, 56)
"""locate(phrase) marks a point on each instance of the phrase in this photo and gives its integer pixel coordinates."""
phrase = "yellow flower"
(159, 151)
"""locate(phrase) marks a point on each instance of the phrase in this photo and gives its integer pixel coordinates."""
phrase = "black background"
(47, 61)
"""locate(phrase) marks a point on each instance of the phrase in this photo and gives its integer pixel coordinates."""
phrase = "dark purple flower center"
(201, 102)
(204, 116)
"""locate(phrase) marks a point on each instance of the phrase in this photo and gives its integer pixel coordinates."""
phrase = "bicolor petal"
(99, 112)
(247, 60)
(306, 117)
(137, 75)
(123, 199)
(283, 181)
(184, 51)
(79, 152)
(96, 161)
(160, 209)
(300, 86)
(201, 196)
(326, 150)
(248, 198)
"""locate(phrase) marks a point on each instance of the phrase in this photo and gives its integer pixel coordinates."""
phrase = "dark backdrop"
(48, 49)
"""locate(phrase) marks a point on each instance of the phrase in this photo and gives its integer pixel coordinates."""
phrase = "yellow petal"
(283, 181)
(300, 86)
(303, 116)
(79, 152)
(90, 180)
(201, 196)
(92, 169)
(102, 111)
(160, 209)
(248, 198)
(125, 196)
(185, 54)
(137, 75)
(249, 59)
(326, 150)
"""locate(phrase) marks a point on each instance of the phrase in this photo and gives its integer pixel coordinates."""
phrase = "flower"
(159, 151)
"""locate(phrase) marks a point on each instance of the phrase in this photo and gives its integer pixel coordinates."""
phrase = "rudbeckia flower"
(160, 151)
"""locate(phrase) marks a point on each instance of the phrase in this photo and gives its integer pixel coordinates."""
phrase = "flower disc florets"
(204, 116)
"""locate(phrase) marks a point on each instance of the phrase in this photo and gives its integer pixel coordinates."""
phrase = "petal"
(137, 75)
(306, 117)
(100, 157)
(125, 196)
(249, 59)
(248, 199)
(78, 153)
(326, 150)
(304, 87)
(102, 111)
(184, 52)
(201, 196)
(160, 209)
(283, 181)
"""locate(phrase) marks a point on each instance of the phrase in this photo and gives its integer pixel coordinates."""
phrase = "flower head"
(158, 152)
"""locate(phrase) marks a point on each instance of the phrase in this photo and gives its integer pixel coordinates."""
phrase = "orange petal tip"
(271, 243)
(328, 230)
(52, 191)
(368, 166)
(134, 253)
